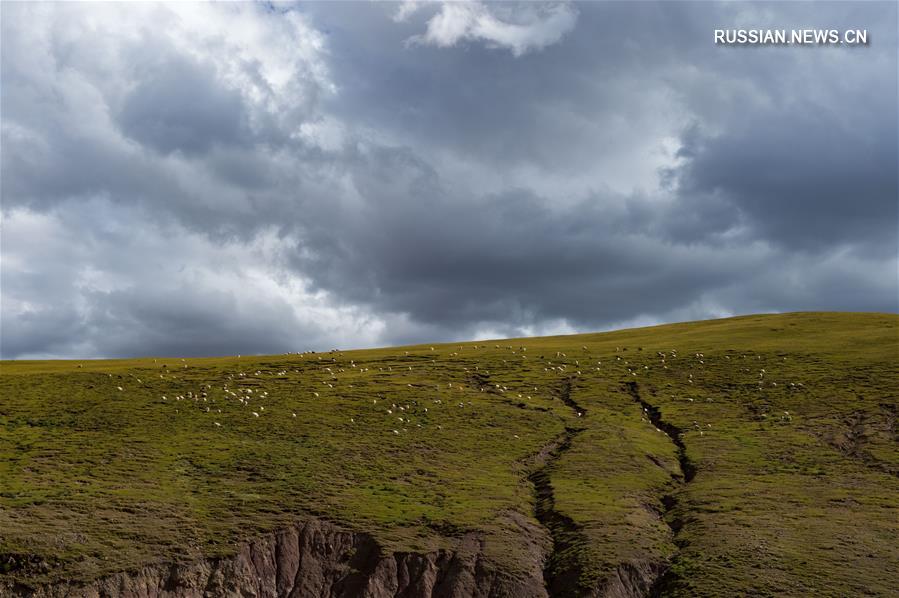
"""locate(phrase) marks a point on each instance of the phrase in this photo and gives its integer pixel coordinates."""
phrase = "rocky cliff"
(311, 559)
(316, 559)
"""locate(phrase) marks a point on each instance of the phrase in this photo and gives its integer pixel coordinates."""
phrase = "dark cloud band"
(241, 179)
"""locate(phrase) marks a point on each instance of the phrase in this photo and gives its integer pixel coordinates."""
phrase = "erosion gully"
(666, 579)
(563, 570)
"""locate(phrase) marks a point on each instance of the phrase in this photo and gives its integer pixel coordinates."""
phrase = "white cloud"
(520, 29)
(126, 290)
(92, 58)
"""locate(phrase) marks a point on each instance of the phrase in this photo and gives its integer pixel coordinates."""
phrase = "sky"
(246, 178)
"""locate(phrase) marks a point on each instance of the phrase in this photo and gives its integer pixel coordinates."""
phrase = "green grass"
(95, 480)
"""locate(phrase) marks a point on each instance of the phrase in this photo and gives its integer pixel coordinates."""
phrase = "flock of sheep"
(341, 377)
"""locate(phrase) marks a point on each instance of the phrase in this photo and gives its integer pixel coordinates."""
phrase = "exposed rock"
(631, 580)
(314, 559)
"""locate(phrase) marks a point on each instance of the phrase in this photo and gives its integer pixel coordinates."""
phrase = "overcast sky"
(211, 179)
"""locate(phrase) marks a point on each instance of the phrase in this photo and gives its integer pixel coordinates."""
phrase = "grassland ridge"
(764, 464)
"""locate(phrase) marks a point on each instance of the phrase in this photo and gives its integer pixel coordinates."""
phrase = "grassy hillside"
(753, 455)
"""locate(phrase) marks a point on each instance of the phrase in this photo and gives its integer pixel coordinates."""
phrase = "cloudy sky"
(209, 179)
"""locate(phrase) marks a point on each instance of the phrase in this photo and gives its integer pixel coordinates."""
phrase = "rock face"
(631, 580)
(309, 560)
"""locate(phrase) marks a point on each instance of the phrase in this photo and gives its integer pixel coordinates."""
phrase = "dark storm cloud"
(804, 179)
(778, 149)
(457, 262)
(482, 101)
(445, 258)
(238, 180)
(785, 136)
(181, 106)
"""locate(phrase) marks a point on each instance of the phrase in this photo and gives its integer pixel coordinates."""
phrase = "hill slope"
(747, 456)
